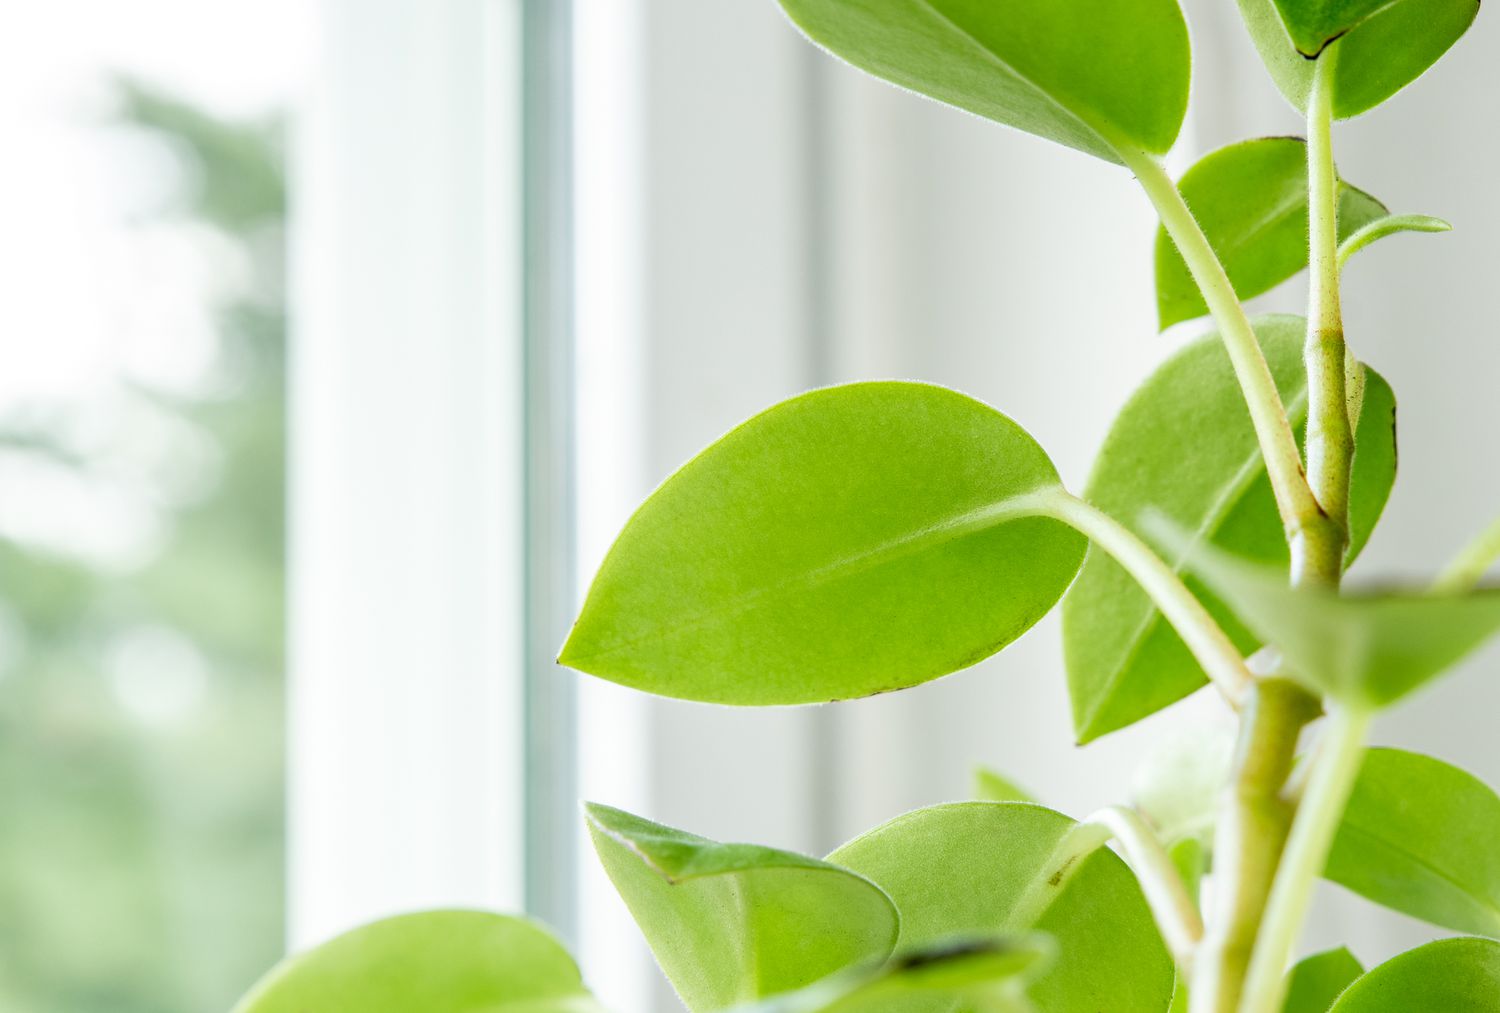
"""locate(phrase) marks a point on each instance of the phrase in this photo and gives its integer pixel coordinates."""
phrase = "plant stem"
(1166, 894)
(1210, 645)
(1330, 437)
(1294, 498)
(1472, 561)
(1336, 765)
(1253, 823)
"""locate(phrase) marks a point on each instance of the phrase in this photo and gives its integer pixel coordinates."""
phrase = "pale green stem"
(1330, 438)
(1278, 445)
(1210, 645)
(1254, 818)
(1335, 767)
(1168, 897)
(1472, 561)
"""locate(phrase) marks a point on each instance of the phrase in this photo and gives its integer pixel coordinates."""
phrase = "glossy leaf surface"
(1377, 58)
(733, 923)
(1096, 77)
(988, 867)
(1316, 981)
(1250, 199)
(986, 975)
(1183, 445)
(1366, 650)
(992, 786)
(1422, 837)
(847, 542)
(434, 961)
(1450, 975)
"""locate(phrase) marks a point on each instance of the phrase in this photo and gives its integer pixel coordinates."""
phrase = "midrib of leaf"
(1483, 905)
(1233, 491)
(1328, 42)
(1011, 508)
(1000, 62)
(1272, 218)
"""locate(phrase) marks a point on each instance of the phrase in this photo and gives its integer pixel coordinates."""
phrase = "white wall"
(800, 224)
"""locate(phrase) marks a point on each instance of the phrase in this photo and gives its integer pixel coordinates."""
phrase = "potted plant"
(869, 537)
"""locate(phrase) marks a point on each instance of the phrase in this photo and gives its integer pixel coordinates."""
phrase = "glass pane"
(142, 452)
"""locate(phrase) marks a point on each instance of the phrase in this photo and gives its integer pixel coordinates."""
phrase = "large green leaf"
(1366, 650)
(1378, 57)
(1422, 837)
(1250, 199)
(985, 867)
(1184, 445)
(733, 923)
(986, 975)
(1098, 77)
(1316, 981)
(850, 541)
(1448, 976)
(434, 961)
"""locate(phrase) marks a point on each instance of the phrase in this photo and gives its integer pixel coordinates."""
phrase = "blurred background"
(340, 339)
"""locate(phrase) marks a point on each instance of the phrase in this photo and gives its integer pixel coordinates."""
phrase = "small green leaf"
(1366, 650)
(1096, 77)
(1250, 199)
(1184, 445)
(1177, 786)
(1387, 226)
(1316, 981)
(434, 961)
(733, 923)
(1377, 58)
(990, 786)
(847, 542)
(1420, 836)
(1448, 976)
(984, 975)
(987, 867)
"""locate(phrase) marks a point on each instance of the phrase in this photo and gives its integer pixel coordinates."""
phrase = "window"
(142, 553)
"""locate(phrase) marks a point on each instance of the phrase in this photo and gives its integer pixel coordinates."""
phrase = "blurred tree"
(141, 712)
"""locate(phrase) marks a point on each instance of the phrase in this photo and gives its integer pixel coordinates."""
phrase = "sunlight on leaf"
(434, 961)
(733, 923)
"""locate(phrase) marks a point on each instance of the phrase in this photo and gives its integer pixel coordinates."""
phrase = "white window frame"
(408, 421)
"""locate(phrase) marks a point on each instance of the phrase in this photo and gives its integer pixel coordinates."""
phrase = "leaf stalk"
(1210, 645)
(1294, 498)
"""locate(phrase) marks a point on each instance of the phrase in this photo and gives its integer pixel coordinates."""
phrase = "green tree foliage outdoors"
(141, 865)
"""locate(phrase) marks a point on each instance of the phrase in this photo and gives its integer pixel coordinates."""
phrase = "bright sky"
(90, 297)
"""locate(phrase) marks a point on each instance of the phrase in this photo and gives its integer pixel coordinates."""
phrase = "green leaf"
(1389, 225)
(1177, 786)
(990, 786)
(986, 975)
(986, 867)
(1317, 980)
(1366, 650)
(1378, 57)
(1184, 445)
(434, 961)
(1096, 77)
(733, 923)
(1250, 199)
(1448, 976)
(850, 541)
(1420, 836)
